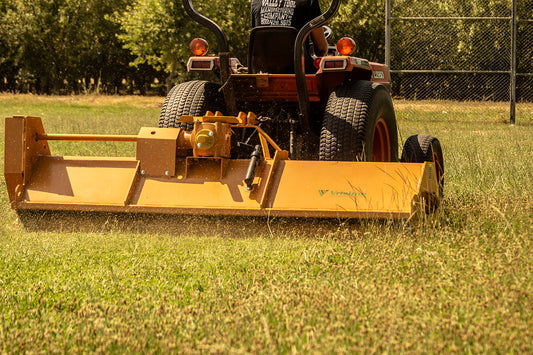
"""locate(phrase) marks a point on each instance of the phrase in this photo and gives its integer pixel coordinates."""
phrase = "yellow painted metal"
(86, 137)
(212, 185)
(81, 181)
(156, 150)
(14, 154)
(241, 119)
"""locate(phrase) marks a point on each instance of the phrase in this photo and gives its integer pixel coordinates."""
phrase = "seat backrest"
(271, 50)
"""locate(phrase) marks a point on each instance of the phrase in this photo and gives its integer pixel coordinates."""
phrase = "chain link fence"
(524, 51)
(475, 50)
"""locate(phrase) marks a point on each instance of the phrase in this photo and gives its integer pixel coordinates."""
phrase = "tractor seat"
(271, 50)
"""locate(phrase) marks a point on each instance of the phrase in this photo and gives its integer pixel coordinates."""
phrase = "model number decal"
(341, 193)
(378, 74)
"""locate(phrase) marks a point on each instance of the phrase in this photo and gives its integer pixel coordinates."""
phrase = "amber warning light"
(345, 46)
(199, 46)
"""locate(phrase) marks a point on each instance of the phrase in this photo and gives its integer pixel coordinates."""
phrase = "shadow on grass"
(200, 225)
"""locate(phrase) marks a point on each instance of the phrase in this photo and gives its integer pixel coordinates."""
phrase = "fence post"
(512, 113)
(387, 32)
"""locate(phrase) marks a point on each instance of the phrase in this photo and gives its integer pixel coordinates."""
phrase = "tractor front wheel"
(420, 148)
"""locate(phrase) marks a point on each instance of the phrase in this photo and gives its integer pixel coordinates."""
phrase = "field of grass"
(460, 281)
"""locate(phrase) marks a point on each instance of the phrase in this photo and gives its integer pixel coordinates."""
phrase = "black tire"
(358, 116)
(421, 148)
(190, 98)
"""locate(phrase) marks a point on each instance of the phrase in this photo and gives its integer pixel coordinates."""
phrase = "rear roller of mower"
(191, 172)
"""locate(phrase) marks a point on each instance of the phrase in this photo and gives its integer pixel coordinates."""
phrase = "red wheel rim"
(381, 145)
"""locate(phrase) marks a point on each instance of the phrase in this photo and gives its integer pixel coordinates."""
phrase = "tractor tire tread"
(190, 98)
(345, 123)
(419, 148)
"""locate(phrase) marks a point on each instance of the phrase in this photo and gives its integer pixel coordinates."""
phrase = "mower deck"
(206, 184)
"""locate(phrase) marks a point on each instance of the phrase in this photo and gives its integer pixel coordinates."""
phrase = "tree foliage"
(149, 29)
(54, 46)
(65, 46)
(158, 32)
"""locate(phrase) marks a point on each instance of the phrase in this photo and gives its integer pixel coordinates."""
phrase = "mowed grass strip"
(385, 290)
(459, 281)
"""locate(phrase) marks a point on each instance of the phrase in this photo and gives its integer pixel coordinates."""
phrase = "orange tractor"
(268, 140)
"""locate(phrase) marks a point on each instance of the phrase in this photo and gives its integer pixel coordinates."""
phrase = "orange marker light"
(345, 46)
(199, 46)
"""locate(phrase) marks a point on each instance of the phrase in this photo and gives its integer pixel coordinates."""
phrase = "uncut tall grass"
(458, 281)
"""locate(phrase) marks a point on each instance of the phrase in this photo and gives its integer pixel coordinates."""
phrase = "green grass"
(460, 281)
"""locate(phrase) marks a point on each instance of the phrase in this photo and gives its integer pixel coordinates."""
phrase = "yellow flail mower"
(320, 144)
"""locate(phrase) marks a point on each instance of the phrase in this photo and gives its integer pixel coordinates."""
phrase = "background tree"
(58, 46)
(8, 69)
(63, 46)
(111, 46)
(158, 32)
(364, 21)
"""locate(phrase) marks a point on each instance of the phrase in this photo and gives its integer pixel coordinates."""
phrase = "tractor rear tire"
(420, 148)
(359, 124)
(190, 98)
